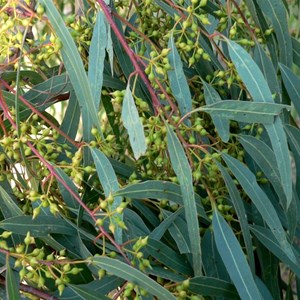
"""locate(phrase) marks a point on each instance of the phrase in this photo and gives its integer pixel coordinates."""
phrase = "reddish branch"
(130, 53)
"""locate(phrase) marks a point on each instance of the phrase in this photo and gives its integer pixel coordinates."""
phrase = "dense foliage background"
(149, 149)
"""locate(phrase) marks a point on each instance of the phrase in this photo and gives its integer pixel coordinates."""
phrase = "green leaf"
(168, 257)
(263, 204)
(266, 160)
(275, 11)
(8, 206)
(160, 230)
(266, 237)
(86, 294)
(12, 282)
(39, 227)
(260, 92)
(292, 84)
(222, 125)
(183, 171)
(73, 64)
(133, 124)
(241, 213)
(214, 287)
(97, 56)
(68, 198)
(109, 182)
(296, 52)
(244, 111)
(156, 189)
(27, 75)
(268, 70)
(234, 259)
(127, 272)
(178, 82)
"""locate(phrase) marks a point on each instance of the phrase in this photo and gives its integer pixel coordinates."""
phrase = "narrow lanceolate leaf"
(263, 204)
(234, 259)
(178, 81)
(110, 48)
(260, 92)
(241, 213)
(276, 12)
(85, 293)
(292, 85)
(269, 241)
(244, 111)
(131, 274)
(73, 63)
(110, 184)
(12, 283)
(296, 52)
(184, 174)
(41, 226)
(268, 70)
(96, 57)
(210, 286)
(222, 125)
(156, 189)
(133, 124)
(266, 160)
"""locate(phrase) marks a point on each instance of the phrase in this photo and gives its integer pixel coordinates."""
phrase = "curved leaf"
(96, 57)
(263, 204)
(74, 65)
(275, 11)
(133, 124)
(292, 84)
(222, 125)
(234, 259)
(127, 272)
(260, 92)
(12, 282)
(178, 82)
(184, 174)
(86, 293)
(109, 183)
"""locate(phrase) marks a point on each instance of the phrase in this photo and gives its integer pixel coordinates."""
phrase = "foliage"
(149, 149)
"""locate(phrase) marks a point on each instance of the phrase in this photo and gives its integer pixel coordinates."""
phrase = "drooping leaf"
(133, 124)
(292, 84)
(161, 252)
(222, 125)
(244, 111)
(265, 159)
(178, 82)
(248, 182)
(110, 184)
(296, 52)
(268, 70)
(234, 259)
(275, 11)
(96, 57)
(74, 65)
(184, 174)
(131, 274)
(266, 237)
(241, 213)
(12, 282)
(260, 92)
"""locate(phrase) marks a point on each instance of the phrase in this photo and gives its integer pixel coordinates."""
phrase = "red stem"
(132, 56)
